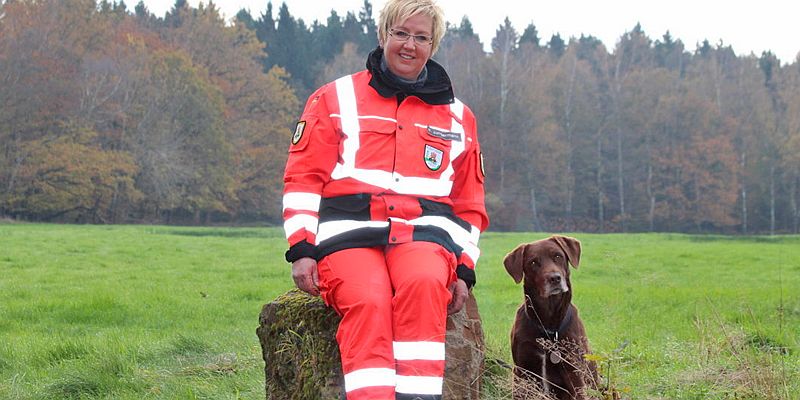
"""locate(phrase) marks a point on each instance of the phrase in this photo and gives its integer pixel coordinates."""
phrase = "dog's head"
(544, 264)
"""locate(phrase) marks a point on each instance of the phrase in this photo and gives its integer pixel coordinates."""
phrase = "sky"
(746, 25)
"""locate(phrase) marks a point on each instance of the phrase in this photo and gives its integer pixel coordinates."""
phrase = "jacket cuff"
(466, 274)
(300, 250)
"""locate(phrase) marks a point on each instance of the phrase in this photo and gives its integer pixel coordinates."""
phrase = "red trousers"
(393, 302)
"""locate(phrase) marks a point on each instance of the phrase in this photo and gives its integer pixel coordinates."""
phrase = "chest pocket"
(376, 144)
(435, 147)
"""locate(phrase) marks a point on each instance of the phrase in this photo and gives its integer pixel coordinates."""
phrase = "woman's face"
(406, 58)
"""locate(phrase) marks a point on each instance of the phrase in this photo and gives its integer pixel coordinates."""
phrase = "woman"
(383, 207)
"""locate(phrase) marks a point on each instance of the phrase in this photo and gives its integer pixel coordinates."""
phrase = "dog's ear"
(513, 262)
(571, 246)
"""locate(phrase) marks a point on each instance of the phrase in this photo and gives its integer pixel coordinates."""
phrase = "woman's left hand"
(458, 292)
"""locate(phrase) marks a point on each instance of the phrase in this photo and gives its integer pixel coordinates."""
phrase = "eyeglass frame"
(397, 34)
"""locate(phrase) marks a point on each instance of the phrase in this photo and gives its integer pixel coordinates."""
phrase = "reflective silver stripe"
(330, 229)
(301, 201)
(456, 147)
(421, 186)
(334, 115)
(474, 234)
(346, 95)
(456, 232)
(369, 377)
(419, 384)
(348, 113)
(298, 222)
(374, 177)
(418, 351)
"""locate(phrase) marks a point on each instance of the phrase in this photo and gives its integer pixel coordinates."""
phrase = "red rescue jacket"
(367, 170)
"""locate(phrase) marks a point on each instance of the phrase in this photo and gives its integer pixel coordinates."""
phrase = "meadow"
(159, 312)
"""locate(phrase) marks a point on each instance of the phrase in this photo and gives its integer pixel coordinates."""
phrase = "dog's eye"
(557, 257)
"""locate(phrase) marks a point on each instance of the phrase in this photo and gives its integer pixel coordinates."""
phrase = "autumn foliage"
(111, 115)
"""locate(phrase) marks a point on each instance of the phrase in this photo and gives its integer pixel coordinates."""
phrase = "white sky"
(747, 25)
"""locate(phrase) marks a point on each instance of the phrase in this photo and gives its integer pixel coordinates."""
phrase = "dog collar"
(561, 327)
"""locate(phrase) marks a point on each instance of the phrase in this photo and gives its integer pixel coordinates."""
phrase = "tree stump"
(298, 342)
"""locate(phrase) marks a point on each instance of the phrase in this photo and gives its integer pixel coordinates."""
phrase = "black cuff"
(465, 274)
(300, 250)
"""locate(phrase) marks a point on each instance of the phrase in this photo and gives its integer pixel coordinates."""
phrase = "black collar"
(437, 89)
(562, 327)
(550, 333)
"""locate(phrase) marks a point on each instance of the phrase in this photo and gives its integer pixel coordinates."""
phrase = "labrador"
(548, 339)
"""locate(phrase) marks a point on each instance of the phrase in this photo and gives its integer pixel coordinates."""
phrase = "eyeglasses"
(402, 36)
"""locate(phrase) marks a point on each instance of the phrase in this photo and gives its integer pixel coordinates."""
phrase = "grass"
(150, 312)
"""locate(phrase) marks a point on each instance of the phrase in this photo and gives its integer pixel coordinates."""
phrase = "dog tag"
(555, 357)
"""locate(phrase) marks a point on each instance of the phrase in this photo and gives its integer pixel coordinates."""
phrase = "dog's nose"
(554, 279)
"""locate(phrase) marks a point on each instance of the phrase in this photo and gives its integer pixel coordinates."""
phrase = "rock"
(301, 358)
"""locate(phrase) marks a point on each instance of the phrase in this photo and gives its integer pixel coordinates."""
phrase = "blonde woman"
(383, 207)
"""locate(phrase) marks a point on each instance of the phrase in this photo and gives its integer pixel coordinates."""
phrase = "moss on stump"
(298, 342)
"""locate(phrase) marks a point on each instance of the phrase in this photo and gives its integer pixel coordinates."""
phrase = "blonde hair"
(399, 10)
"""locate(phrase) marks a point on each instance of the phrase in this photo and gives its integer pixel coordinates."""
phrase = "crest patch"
(298, 132)
(433, 157)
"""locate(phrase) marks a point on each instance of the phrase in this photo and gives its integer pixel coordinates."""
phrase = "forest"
(114, 115)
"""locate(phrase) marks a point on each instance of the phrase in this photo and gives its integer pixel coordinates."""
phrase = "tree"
(503, 44)
(258, 110)
(529, 36)
(790, 152)
(631, 53)
(556, 46)
(348, 61)
(292, 38)
(369, 29)
(41, 46)
(69, 178)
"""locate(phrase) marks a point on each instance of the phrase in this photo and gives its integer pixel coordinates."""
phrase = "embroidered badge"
(433, 157)
(298, 132)
(441, 134)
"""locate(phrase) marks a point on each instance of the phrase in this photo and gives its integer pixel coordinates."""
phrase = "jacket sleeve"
(468, 198)
(312, 156)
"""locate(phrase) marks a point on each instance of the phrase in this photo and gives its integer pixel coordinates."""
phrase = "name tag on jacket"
(441, 134)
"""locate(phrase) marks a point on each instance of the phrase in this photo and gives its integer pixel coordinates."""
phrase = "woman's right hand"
(305, 275)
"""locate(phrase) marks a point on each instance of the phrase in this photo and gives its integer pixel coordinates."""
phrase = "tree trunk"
(772, 200)
(601, 218)
(743, 190)
(570, 178)
(537, 225)
(621, 182)
(793, 204)
(651, 214)
(504, 89)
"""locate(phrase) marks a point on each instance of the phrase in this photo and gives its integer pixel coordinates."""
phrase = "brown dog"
(548, 315)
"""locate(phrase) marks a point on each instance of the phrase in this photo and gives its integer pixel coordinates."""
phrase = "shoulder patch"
(298, 132)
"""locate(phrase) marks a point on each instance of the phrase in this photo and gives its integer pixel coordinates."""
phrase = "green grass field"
(154, 312)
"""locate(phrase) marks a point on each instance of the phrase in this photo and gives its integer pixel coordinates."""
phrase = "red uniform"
(386, 191)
